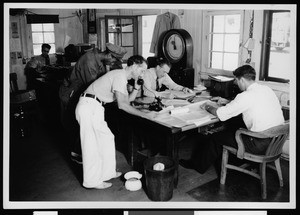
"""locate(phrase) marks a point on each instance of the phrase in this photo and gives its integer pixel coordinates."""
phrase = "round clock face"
(175, 47)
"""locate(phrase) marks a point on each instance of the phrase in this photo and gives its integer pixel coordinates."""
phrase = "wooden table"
(165, 131)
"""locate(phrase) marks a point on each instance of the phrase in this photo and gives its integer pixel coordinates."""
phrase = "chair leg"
(263, 181)
(224, 168)
(278, 168)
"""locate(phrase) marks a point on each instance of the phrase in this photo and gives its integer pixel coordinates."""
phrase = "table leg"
(172, 151)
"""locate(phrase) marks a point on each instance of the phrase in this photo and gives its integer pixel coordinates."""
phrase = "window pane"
(113, 25)
(127, 39)
(230, 61)
(37, 38)
(280, 65)
(231, 43)
(216, 61)
(37, 49)
(49, 37)
(127, 25)
(218, 23)
(37, 27)
(232, 24)
(53, 49)
(217, 42)
(114, 38)
(48, 27)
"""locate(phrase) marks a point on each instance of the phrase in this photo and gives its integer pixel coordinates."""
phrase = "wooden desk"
(171, 134)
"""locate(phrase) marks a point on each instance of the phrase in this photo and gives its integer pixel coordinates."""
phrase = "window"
(276, 59)
(222, 40)
(42, 33)
(122, 31)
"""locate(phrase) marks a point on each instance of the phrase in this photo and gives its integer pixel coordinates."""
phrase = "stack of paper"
(221, 78)
(178, 94)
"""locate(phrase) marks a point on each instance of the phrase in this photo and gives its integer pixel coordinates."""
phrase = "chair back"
(151, 62)
(278, 134)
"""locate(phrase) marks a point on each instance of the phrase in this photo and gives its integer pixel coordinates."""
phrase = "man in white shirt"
(157, 77)
(260, 110)
(97, 140)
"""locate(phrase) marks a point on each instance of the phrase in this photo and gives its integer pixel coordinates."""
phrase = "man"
(260, 110)
(87, 69)
(157, 78)
(34, 68)
(97, 140)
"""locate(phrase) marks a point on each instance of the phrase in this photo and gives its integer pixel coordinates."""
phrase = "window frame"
(134, 31)
(266, 48)
(205, 40)
(52, 50)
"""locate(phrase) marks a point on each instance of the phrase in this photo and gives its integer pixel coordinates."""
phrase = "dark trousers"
(208, 150)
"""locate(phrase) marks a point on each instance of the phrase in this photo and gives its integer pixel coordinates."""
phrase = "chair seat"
(253, 157)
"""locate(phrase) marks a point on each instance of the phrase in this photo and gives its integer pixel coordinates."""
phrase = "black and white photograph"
(149, 106)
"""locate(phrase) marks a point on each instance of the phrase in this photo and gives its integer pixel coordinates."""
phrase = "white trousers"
(97, 143)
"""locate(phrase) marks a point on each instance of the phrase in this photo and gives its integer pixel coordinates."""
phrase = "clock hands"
(174, 44)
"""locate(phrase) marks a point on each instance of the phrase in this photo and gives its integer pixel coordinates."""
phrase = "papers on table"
(199, 87)
(175, 102)
(187, 115)
(221, 78)
(177, 94)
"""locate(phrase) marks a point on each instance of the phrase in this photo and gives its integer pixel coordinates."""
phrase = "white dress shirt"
(259, 106)
(151, 81)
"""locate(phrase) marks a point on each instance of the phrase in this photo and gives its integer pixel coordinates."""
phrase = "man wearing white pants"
(97, 141)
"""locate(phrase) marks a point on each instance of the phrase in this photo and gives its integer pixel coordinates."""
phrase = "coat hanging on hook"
(164, 22)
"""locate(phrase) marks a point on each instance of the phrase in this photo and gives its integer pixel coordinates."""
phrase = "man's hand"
(209, 103)
(187, 90)
(220, 101)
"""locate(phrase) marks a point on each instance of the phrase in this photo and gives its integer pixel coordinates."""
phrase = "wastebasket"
(159, 183)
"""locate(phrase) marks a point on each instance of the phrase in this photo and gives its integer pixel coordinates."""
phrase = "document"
(187, 115)
(221, 78)
(178, 94)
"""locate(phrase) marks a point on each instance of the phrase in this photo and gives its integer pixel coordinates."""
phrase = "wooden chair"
(273, 153)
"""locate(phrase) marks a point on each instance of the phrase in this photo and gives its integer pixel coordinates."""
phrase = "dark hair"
(162, 61)
(45, 45)
(136, 59)
(246, 72)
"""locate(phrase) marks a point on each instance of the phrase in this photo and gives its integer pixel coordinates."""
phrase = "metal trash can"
(159, 183)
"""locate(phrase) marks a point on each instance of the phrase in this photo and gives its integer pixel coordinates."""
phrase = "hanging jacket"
(164, 22)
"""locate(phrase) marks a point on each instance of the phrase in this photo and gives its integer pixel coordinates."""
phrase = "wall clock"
(176, 45)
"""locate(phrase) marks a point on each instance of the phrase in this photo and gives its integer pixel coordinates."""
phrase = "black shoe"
(188, 164)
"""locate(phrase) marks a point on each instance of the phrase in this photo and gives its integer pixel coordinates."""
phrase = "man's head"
(114, 54)
(163, 67)
(244, 76)
(45, 49)
(138, 65)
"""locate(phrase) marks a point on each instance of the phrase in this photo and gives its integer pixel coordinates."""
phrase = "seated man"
(157, 78)
(34, 67)
(260, 109)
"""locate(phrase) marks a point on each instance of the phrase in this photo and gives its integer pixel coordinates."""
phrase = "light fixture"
(249, 45)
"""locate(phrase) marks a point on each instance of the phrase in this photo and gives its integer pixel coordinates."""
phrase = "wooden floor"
(41, 171)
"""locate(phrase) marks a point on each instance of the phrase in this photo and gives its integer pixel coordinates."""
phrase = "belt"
(91, 96)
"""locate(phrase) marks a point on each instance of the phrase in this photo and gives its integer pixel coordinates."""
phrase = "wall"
(67, 31)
